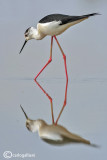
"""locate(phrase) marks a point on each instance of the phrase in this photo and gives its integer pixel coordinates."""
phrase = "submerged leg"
(64, 57)
(64, 104)
(50, 59)
(49, 99)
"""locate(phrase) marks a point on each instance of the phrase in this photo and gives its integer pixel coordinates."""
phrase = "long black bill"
(24, 112)
(22, 46)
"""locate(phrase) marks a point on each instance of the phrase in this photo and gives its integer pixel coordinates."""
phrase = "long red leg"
(64, 104)
(64, 57)
(50, 59)
(49, 99)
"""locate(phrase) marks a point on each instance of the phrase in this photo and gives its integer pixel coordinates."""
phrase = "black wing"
(54, 17)
(58, 142)
(64, 18)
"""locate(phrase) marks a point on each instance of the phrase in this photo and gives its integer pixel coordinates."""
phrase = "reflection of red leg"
(50, 59)
(64, 57)
(48, 98)
(64, 104)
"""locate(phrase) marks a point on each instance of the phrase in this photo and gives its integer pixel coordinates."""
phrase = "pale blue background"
(85, 45)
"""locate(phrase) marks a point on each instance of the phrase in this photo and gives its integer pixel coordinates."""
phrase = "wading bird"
(53, 134)
(53, 25)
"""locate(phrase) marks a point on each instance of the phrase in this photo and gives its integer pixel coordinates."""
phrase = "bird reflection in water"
(54, 133)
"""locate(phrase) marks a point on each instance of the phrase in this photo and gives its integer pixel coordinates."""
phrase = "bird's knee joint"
(50, 99)
(64, 57)
(64, 103)
(50, 59)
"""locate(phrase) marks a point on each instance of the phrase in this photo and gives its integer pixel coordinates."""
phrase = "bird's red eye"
(25, 35)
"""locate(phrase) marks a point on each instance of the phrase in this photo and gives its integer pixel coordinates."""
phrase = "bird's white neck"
(39, 123)
(37, 35)
(35, 125)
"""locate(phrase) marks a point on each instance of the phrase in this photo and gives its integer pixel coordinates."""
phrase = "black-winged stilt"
(53, 134)
(53, 25)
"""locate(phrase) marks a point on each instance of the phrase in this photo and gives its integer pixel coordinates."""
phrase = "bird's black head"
(28, 35)
(27, 32)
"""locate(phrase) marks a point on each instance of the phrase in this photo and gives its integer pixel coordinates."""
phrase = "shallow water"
(85, 46)
(84, 114)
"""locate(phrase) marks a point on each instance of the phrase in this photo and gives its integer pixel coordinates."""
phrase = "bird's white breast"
(49, 28)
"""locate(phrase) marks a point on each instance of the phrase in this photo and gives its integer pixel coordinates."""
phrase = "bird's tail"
(89, 15)
(89, 143)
